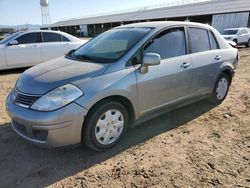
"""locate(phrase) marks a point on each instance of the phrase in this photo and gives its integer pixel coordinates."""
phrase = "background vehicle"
(120, 78)
(241, 36)
(24, 49)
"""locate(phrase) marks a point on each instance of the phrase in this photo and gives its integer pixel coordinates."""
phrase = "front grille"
(25, 100)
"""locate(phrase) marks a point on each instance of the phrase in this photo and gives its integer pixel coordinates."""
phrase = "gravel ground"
(199, 145)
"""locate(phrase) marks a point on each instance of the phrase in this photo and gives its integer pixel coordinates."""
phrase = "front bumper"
(57, 128)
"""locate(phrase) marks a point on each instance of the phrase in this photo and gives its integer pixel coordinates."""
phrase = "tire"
(220, 89)
(248, 44)
(105, 134)
(236, 41)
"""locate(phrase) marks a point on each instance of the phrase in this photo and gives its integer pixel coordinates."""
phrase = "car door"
(241, 37)
(206, 57)
(170, 81)
(245, 35)
(26, 52)
(53, 46)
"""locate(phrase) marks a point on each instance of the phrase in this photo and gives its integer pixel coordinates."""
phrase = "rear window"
(51, 37)
(213, 41)
(199, 40)
(64, 39)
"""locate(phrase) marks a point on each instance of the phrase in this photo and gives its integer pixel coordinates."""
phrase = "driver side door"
(170, 81)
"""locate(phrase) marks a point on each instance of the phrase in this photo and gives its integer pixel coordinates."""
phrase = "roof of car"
(71, 37)
(161, 24)
(51, 31)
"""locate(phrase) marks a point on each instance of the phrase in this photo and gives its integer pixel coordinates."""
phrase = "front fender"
(121, 83)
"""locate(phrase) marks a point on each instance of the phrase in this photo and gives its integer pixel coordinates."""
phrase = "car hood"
(52, 74)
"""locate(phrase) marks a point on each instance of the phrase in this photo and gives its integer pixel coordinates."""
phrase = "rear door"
(206, 57)
(241, 36)
(26, 53)
(170, 81)
(53, 46)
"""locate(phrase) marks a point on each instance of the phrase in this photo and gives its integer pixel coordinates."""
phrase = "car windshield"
(111, 45)
(230, 32)
(9, 37)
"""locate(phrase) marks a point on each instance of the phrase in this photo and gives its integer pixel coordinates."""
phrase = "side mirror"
(71, 52)
(13, 43)
(149, 59)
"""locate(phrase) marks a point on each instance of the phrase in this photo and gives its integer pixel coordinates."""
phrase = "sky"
(17, 12)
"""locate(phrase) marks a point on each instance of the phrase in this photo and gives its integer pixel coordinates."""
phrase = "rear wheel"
(105, 125)
(221, 88)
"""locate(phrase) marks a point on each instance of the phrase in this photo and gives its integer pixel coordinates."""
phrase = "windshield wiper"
(85, 57)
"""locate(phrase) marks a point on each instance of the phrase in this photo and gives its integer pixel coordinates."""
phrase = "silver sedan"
(119, 79)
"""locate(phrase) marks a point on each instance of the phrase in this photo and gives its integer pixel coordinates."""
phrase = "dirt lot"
(199, 145)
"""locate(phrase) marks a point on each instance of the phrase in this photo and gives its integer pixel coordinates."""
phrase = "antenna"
(45, 12)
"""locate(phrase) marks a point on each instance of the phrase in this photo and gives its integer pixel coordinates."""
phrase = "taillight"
(238, 56)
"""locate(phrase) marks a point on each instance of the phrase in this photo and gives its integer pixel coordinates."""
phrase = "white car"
(241, 36)
(25, 49)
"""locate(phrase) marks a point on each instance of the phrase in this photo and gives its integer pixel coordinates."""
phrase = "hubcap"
(109, 127)
(222, 88)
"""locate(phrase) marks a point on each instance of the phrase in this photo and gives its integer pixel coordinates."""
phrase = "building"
(219, 13)
(6, 30)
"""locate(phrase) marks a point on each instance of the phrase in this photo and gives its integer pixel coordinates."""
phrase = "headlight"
(57, 98)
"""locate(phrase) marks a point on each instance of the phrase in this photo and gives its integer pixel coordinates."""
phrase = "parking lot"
(199, 145)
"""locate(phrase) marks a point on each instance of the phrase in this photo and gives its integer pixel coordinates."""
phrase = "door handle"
(218, 57)
(185, 65)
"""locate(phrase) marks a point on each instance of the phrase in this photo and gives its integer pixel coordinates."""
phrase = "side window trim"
(42, 37)
(188, 46)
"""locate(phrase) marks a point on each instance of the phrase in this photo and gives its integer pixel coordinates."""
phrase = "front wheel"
(105, 125)
(236, 41)
(221, 88)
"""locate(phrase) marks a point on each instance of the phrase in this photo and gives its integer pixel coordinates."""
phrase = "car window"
(51, 37)
(64, 39)
(29, 38)
(213, 42)
(170, 43)
(199, 40)
(230, 32)
(244, 31)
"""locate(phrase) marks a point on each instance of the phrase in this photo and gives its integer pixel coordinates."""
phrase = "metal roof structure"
(178, 9)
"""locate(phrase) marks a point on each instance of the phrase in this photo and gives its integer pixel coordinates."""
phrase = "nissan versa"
(119, 79)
